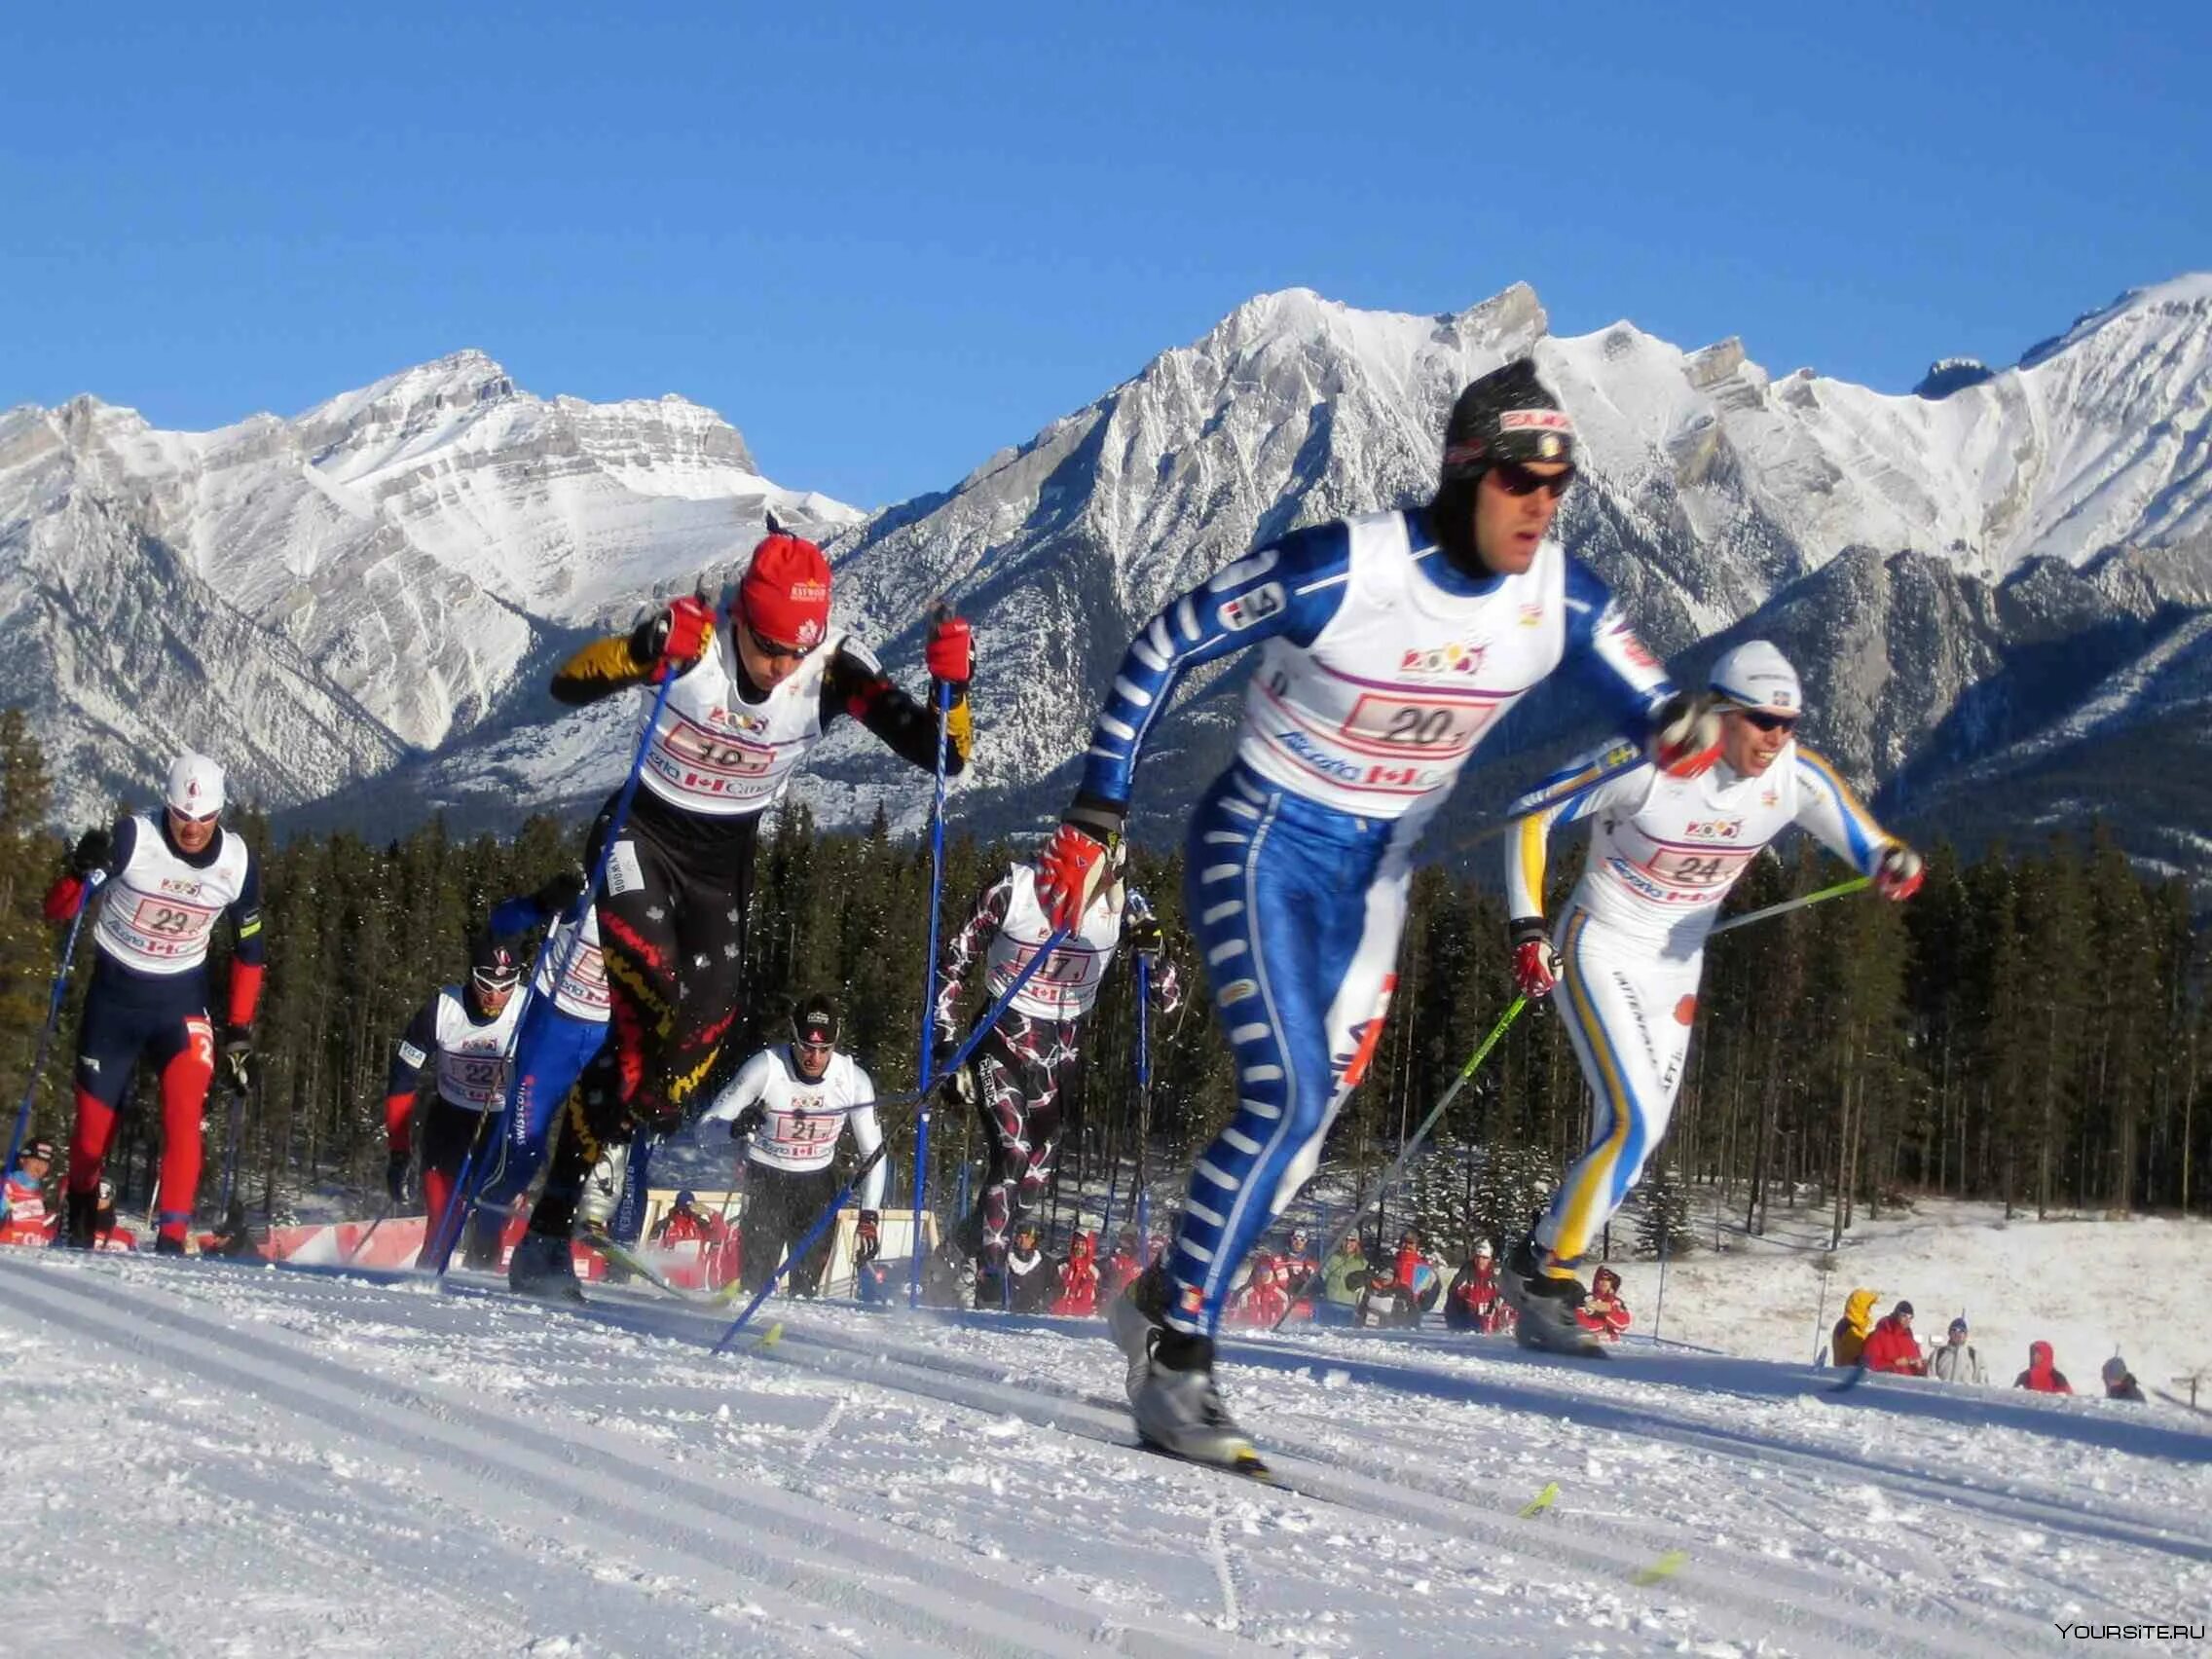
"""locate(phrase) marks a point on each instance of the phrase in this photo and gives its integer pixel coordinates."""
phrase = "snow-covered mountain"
(2000, 566)
(313, 599)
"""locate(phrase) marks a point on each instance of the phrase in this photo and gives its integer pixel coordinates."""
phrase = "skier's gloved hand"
(749, 1123)
(559, 896)
(959, 1084)
(1536, 964)
(1145, 936)
(951, 650)
(94, 848)
(867, 1239)
(1899, 873)
(1076, 860)
(395, 1174)
(237, 1054)
(677, 638)
(1685, 735)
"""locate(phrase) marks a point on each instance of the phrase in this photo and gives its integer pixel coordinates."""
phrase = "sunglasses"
(768, 647)
(1766, 721)
(195, 821)
(809, 1047)
(1518, 480)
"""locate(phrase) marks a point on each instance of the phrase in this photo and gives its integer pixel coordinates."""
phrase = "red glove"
(1068, 873)
(1536, 964)
(951, 650)
(1899, 873)
(1685, 737)
(685, 630)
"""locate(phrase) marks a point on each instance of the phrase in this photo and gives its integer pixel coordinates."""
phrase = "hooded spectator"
(1891, 1346)
(1477, 1302)
(1956, 1361)
(1122, 1266)
(1079, 1278)
(682, 1224)
(1853, 1329)
(2120, 1384)
(1603, 1310)
(2041, 1376)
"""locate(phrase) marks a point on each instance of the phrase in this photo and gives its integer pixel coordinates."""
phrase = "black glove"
(237, 1052)
(1145, 936)
(95, 847)
(559, 896)
(750, 1121)
(395, 1175)
(957, 1088)
(867, 1242)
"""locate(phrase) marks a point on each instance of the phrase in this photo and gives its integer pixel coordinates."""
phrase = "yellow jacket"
(1853, 1329)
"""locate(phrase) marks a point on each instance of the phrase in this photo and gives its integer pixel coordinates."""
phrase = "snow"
(208, 1458)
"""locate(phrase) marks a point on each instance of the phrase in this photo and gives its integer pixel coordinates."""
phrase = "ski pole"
(829, 1215)
(54, 999)
(462, 1197)
(922, 1068)
(1836, 892)
(1412, 1146)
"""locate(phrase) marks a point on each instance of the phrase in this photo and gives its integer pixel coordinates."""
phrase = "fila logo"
(1262, 603)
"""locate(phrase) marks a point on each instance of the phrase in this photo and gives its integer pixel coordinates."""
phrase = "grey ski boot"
(1178, 1410)
(1545, 1297)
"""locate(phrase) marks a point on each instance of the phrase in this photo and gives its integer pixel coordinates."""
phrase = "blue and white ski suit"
(1383, 666)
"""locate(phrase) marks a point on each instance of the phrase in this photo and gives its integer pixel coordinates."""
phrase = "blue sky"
(886, 240)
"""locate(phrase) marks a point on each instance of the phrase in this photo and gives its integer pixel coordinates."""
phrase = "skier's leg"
(1001, 1099)
(811, 1197)
(1048, 1051)
(109, 1040)
(551, 1052)
(186, 1056)
(761, 1224)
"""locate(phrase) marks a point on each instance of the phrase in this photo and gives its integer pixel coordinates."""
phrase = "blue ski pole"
(462, 1198)
(797, 1252)
(54, 999)
(923, 1069)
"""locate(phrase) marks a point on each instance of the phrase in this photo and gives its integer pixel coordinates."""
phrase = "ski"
(618, 1254)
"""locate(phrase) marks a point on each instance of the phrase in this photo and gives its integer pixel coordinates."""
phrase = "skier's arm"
(409, 1056)
(1826, 807)
(250, 953)
(855, 684)
(105, 851)
(867, 1136)
(1677, 731)
(961, 952)
(1527, 841)
(674, 637)
(744, 1089)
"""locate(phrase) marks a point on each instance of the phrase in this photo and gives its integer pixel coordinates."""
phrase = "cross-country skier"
(752, 690)
(1014, 1079)
(171, 876)
(1391, 644)
(564, 1023)
(466, 1033)
(1664, 852)
(792, 1104)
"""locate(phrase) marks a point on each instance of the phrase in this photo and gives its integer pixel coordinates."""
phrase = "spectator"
(681, 1225)
(1853, 1329)
(1298, 1257)
(1603, 1310)
(108, 1233)
(1343, 1281)
(1893, 1348)
(1030, 1281)
(1079, 1279)
(1476, 1303)
(2120, 1384)
(27, 1220)
(1267, 1298)
(1122, 1266)
(1956, 1361)
(1387, 1300)
(2041, 1376)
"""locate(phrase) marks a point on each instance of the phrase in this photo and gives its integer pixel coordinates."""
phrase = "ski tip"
(1543, 1500)
(769, 1338)
(1666, 1566)
(1251, 1465)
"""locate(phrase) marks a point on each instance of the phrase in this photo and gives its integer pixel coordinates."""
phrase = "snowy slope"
(222, 1458)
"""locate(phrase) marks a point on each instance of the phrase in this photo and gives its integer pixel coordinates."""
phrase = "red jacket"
(1122, 1267)
(1893, 1348)
(1607, 1315)
(1079, 1280)
(682, 1227)
(2041, 1376)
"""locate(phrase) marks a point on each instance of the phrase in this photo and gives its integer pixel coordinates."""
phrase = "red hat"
(785, 593)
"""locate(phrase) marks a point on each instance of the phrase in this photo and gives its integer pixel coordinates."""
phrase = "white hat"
(1755, 676)
(196, 785)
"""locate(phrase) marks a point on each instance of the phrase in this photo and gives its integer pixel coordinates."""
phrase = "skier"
(1030, 1280)
(1078, 1295)
(564, 1024)
(170, 876)
(1391, 644)
(1664, 852)
(751, 692)
(468, 1030)
(1014, 1078)
(28, 1221)
(1956, 1361)
(790, 1105)
(1605, 1314)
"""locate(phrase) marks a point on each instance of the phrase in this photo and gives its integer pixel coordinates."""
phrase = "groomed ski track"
(369, 1464)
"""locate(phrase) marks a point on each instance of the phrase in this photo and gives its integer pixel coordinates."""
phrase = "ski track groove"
(527, 1471)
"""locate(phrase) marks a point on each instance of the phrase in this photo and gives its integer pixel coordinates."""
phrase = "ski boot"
(1545, 1295)
(166, 1245)
(1178, 1410)
(1134, 1318)
(544, 1267)
(80, 1217)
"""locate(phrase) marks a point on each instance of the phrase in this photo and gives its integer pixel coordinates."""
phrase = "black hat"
(41, 1148)
(1904, 1308)
(493, 964)
(815, 1020)
(1507, 415)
